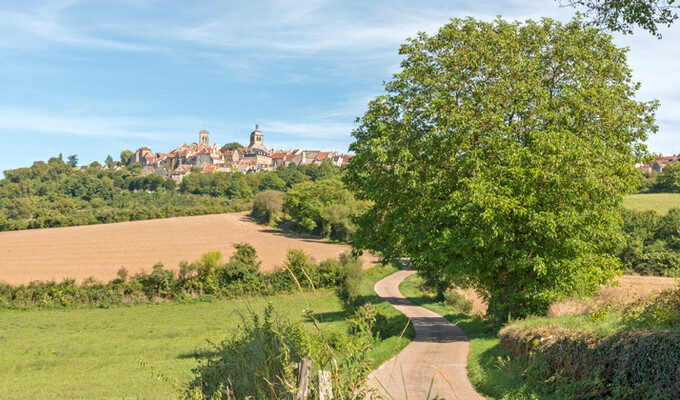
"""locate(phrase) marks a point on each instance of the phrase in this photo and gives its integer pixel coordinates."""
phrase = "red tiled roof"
(209, 169)
(279, 155)
(321, 155)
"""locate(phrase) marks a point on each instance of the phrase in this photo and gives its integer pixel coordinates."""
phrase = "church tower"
(204, 137)
(256, 139)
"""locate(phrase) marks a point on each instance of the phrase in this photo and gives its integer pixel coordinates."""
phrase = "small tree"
(246, 255)
(125, 157)
(73, 160)
(499, 157)
(232, 146)
(109, 161)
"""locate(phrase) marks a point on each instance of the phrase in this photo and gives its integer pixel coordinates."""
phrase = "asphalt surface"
(433, 364)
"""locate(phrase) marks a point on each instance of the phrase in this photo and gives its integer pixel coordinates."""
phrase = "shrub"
(267, 206)
(259, 361)
(256, 362)
(350, 278)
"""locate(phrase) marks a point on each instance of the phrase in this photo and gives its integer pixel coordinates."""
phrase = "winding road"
(434, 362)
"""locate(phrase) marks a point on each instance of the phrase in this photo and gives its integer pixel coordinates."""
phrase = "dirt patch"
(101, 250)
(631, 288)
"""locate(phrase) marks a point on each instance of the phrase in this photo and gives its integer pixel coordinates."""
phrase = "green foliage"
(239, 277)
(125, 157)
(220, 184)
(499, 158)
(624, 15)
(232, 146)
(652, 242)
(73, 160)
(268, 206)
(324, 208)
(53, 194)
(349, 281)
(259, 361)
(668, 181)
(661, 311)
(625, 365)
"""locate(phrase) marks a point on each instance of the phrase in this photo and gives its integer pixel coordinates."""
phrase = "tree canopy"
(498, 159)
(231, 146)
(624, 15)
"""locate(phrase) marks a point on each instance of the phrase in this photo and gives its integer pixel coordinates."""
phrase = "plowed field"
(101, 250)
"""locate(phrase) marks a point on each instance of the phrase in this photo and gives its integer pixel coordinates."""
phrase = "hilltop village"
(210, 158)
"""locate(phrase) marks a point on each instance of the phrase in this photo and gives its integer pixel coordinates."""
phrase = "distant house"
(140, 156)
(661, 162)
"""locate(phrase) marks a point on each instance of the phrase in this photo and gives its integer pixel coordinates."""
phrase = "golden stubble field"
(99, 251)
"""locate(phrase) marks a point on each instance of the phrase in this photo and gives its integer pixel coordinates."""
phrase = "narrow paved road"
(435, 361)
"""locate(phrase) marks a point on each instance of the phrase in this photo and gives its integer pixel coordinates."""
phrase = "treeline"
(652, 242)
(666, 181)
(56, 194)
(209, 277)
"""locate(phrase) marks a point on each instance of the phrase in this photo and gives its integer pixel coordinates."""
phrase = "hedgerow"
(209, 276)
(642, 361)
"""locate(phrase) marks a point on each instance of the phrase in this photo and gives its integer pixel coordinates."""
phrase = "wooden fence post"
(304, 380)
(325, 385)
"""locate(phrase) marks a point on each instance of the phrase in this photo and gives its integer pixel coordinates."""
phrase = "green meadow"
(659, 202)
(112, 353)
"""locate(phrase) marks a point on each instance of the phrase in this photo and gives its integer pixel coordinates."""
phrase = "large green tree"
(498, 158)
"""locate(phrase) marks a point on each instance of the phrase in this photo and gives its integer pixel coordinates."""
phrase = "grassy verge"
(491, 371)
(659, 202)
(96, 353)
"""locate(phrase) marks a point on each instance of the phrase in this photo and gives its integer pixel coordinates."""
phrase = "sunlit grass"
(659, 202)
(96, 353)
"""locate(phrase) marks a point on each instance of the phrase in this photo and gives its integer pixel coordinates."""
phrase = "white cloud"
(94, 126)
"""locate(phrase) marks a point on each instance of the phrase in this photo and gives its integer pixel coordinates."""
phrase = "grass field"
(96, 353)
(659, 202)
(101, 250)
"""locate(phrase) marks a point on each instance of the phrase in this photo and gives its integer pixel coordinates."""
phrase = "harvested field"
(629, 289)
(99, 251)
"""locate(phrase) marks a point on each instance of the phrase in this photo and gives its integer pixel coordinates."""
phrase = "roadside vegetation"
(609, 349)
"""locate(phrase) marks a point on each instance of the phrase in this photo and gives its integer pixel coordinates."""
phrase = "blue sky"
(93, 78)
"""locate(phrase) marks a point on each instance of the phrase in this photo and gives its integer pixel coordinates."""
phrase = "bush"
(258, 362)
(268, 206)
(350, 277)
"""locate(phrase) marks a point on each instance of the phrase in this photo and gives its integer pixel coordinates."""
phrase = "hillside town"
(660, 162)
(211, 158)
